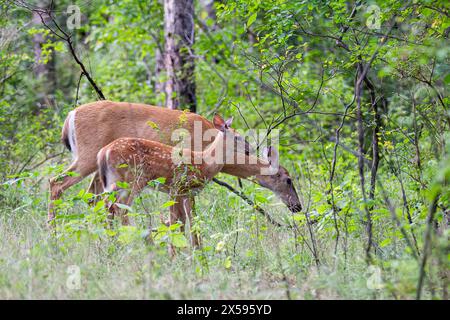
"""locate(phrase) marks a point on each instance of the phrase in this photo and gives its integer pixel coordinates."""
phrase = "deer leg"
(175, 215)
(182, 210)
(62, 182)
(111, 208)
(189, 208)
(124, 197)
(163, 220)
(95, 187)
(128, 201)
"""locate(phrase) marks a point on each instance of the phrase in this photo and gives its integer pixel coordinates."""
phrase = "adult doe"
(92, 126)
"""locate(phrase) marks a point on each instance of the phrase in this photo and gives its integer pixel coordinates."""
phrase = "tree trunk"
(159, 70)
(38, 40)
(179, 55)
(44, 72)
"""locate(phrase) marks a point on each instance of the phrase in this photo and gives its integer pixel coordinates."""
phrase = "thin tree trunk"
(44, 72)
(427, 244)
(159, 69)
(38, 41)
(179, 55)
(358, 93)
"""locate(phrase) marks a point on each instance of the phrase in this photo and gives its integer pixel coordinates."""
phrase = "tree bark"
(38, 41)
(159, 69)
(179, 56)
(44, 72)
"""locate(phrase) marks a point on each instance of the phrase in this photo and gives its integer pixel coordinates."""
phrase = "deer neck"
(252, 167)
(212, 162)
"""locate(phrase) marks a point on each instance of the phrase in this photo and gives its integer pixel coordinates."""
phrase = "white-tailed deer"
(92, 126)
(136, 162)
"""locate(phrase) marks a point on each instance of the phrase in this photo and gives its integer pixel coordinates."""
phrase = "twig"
(358, 93)
(67, 38)
(362, 70)
(397, 221)
(427, 243)
(248, 200)
(78, 89)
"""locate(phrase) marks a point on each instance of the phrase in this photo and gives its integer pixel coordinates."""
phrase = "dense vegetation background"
(358, 89)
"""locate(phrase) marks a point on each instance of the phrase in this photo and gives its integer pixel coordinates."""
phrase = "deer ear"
(265, 153)
(271, 155)
(218, 122)
(228, 123)
(221, 124)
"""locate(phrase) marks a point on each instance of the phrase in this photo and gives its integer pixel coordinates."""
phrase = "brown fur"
(140, 161)
(102, 166)
(99, 123)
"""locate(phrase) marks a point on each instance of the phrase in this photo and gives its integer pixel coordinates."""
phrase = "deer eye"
(288, 181)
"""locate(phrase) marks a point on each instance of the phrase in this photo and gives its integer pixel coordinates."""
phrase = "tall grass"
(242, 257)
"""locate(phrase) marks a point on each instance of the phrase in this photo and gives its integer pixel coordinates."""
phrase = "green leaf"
(260, 198)
(385, 242)
(299, 217)
(124, 207)
(161, 180)
(447, 79)
(80, 194)
(157, 182)
(152, 125)
(251, 19)
(179, 240)
(122, 184)
(227, 262)
(72, 174)
(174, 226)
(168, 204)
(110, 233)
(100, 205)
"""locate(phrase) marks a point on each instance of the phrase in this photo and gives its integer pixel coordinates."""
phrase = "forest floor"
(242, 257)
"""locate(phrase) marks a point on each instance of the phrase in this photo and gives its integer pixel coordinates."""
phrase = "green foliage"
(261, 62)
